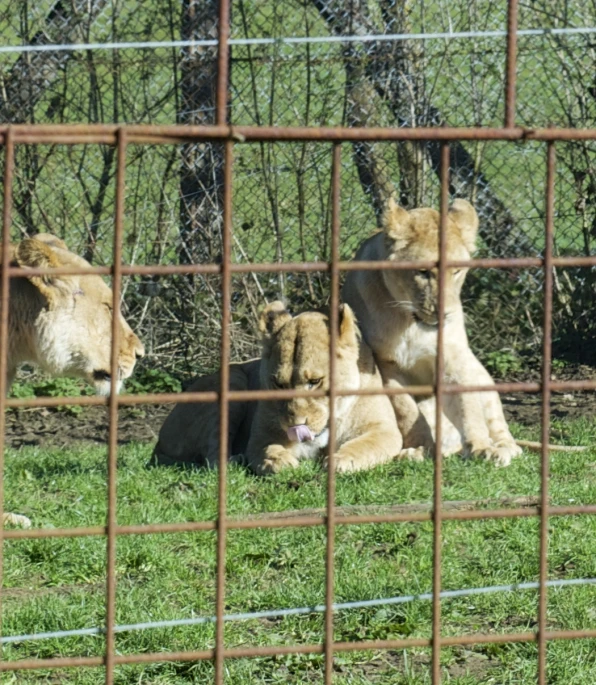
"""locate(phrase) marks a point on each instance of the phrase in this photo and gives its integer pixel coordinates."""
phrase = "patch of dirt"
(49, 427)
(526, 408)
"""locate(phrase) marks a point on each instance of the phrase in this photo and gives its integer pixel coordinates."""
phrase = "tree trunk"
(391, 69)
(201, 178)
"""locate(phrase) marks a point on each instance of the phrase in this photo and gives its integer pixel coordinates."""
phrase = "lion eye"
(313, 383)
(457, 272)
(425, 273)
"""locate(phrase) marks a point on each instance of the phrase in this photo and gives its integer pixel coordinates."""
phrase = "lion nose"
(139, 349)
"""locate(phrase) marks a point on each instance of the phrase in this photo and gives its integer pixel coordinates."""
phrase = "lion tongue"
(300, 433)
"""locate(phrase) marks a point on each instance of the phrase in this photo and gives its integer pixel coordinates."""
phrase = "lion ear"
(51, 240)
(273, 317)
(463, 214)
(33, 253)
(348, 328)
(396, 222)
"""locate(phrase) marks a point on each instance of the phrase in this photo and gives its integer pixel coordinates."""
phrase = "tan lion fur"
(296, 356)
(397, 311)
(64, 323)
(295, 351)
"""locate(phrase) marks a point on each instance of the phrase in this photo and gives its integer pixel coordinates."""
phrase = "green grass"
(58, 584)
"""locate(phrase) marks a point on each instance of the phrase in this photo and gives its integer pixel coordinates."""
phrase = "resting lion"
(278, 434)
(64, 323)
(397, 311)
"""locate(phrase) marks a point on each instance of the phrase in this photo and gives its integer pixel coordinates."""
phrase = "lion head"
(413, 236)
(64, 323)
(296, 356)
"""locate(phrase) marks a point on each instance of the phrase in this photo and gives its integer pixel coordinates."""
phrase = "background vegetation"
(281, 191)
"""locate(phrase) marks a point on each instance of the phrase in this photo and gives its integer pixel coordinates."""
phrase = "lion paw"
(342, 463)
(501, 454)
(17, 520)
(412, 454)
(276, 459)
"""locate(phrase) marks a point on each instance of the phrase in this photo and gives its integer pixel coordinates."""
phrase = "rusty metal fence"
(231, 136)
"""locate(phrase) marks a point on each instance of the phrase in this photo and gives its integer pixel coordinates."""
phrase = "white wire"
(276, 613)
(292, 40)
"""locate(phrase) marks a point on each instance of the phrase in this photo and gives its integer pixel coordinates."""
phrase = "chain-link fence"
(304, 63)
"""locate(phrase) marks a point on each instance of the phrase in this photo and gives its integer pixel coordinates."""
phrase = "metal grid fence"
(121, 137)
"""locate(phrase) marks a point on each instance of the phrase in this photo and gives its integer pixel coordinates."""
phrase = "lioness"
(281, 432)
(64, 323)
(397, 311)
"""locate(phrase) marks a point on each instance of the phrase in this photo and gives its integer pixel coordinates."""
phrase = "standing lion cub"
(397, 311)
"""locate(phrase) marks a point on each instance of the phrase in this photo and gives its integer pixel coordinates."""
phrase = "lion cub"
(397, 310)
(296, 356)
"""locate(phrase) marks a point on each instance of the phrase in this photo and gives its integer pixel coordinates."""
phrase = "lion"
(397, 311)
(63, 323)
(277, 434)
(190, 433)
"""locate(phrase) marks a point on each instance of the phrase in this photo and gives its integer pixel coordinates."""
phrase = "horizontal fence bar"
(270, 651)
(73, 134)
(299, 522)
(300, 267)
(276, 394)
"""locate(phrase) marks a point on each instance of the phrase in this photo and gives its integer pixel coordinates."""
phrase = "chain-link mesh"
(395, 67)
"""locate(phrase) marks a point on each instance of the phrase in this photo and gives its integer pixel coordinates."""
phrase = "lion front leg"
(377, 444)
(412, 424)
(500, 436)
(479, 416)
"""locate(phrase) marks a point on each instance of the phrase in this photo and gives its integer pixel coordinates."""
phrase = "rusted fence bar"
(113, 413)
(4, 305)
(439, 382)
(302, 267)
(511, 64)
(545, 418)
(226, 286)
(256, 395)
(300, 522)
(72, 134)
(257, 651)
(333, 331)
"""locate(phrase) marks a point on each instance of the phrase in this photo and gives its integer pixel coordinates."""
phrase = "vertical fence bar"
(333, 330)
(438, 479)
(511, 64)
(546, 371)
(4, 304)
(226, 287)
(113, 410)
(221, 118)
(223, 62)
